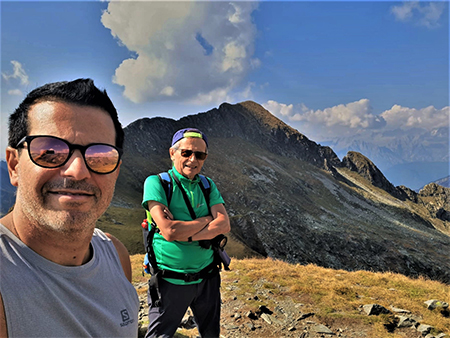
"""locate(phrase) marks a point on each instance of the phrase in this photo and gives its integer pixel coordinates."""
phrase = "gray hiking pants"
(204, 300)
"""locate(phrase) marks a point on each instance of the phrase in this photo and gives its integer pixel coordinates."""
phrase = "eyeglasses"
(199, 155)
(53, 152)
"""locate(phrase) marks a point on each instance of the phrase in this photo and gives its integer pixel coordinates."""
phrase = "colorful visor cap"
(188, 132)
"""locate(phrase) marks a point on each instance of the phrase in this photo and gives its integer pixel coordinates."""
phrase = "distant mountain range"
(445, 182)
(413, 160)
(292, 199)
(7, 191)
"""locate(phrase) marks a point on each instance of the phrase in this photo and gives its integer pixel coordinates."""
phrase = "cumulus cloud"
(17, 92)
(18, 73)
(423, 14)
(343, 119)
(189, 51)
(356, 118)
(428, 118)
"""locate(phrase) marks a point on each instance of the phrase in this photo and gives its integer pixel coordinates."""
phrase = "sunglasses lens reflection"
(198, 154)
(102, 158)
(49, 152)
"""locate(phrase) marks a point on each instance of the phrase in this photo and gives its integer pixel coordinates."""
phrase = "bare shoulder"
(123, 255)
(120, 247)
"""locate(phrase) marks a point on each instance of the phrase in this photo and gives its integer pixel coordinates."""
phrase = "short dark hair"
(82, 92)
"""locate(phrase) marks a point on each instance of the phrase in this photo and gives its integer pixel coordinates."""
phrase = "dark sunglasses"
(53, 152)
(199, 155)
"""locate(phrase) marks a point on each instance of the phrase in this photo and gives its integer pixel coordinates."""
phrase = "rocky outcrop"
(290, 198)
(437, 200)
(434, 197)
(401, 318)
(286, 319)
(367, 169)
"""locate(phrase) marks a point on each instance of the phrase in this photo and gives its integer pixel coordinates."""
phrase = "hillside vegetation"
(333, 298)
(290, 198)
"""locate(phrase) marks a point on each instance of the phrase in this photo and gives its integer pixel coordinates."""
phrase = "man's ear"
(12, 161)
(171, 152)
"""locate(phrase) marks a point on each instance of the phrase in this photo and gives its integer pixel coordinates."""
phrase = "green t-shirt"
(181, 256)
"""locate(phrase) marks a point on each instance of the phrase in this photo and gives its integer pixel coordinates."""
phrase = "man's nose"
(76, 167)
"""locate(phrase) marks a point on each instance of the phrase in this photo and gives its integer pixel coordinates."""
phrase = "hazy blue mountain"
(412, 159)
(7, 191)
(290, 198)
(445, 182)
(417, 174)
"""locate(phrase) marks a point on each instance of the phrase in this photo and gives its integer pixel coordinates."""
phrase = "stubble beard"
(71, 222)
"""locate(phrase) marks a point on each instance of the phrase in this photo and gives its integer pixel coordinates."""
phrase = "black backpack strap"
(166, 182)
(185, 197)
(150, 251)
(220, 256)
(207, 272)
(206, 189)
(153, 287)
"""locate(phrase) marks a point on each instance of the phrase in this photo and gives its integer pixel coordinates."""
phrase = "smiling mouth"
(70, 193)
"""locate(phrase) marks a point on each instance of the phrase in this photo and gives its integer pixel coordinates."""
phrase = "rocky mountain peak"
(436, 199)
(366, 168)
(250, 121)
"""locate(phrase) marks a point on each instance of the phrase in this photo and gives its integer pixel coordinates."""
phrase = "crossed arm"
(202, 228)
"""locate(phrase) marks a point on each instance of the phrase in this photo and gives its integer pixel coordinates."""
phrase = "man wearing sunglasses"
(189, 280)
(60, 276)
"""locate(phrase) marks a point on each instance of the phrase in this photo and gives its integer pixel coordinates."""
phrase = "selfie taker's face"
(69, 198)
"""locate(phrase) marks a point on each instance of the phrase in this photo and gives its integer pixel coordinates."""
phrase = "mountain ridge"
(290, 198)
(404, 158)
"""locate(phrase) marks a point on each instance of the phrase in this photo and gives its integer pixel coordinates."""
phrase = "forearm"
(219, 225)
(181, 230)
(175, 230)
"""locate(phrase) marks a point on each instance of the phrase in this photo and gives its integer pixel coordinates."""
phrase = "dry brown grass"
(335, 296)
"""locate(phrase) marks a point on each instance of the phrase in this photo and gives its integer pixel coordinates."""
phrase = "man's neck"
(52, 245)
(183, 176)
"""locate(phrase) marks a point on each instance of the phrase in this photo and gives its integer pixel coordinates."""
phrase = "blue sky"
(329, 69)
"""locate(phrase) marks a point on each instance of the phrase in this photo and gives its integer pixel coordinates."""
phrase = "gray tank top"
(45, 299)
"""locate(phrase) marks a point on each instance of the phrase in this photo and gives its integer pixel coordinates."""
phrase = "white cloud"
(18, 73)
(280, 109)
(422, 14)
(356, 118)
(192, 51)
(247, 92)
(17, 92)
(428, 118)
(343, 119)
(216, 95)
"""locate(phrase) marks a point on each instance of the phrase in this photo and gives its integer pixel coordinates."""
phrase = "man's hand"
(219, 225)
(175, 230)
(168, 214)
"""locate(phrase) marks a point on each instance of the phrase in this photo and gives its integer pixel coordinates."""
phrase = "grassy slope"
(129, 231)
(335, 296)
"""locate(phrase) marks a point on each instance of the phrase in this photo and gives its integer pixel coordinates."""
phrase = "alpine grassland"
(334, 297)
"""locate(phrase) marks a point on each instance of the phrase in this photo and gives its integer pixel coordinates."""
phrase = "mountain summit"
(292, 199)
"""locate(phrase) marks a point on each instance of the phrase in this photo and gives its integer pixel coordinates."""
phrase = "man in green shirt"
(176, 246)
